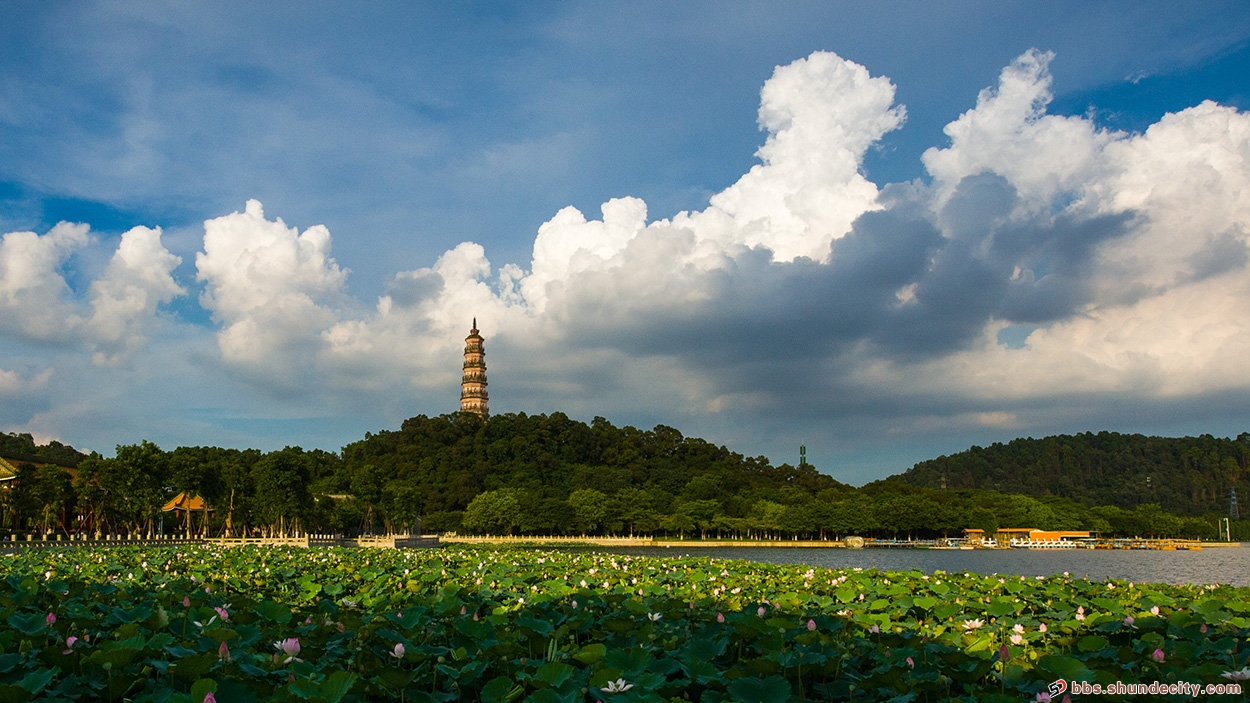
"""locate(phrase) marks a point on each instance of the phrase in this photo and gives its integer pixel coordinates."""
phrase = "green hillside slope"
(1185, 476)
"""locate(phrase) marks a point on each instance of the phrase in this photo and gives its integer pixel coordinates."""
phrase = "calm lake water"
(1222, 565)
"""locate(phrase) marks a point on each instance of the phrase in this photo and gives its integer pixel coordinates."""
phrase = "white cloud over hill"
(801, 290)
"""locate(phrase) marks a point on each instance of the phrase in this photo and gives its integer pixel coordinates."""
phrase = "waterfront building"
(473, 396)
(1028, 537)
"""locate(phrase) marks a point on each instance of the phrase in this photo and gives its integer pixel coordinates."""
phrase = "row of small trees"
(830, 514)
(248, 492)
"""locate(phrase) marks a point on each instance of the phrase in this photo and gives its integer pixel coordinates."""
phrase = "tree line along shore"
(549, 475)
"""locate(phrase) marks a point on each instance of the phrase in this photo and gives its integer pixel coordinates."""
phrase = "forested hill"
(24, 445)
(1188, 476)
(449, 460)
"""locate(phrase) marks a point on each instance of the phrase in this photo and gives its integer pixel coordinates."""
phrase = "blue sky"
(976, 221)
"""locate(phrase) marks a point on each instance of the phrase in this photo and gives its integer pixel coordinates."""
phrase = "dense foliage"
(532, 475)
(1188, 476)
(351, 625)
(24, 444)
(548, 473)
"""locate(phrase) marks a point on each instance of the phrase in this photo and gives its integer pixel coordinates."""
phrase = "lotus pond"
(290, 624)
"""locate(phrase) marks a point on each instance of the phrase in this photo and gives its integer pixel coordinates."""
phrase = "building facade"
(473, 396)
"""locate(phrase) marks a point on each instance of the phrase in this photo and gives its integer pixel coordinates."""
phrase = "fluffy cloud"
(1120, 259)
(272, 289)
(1009, 133)
(32, 290)
(124, 299)
(40, 307)
(822, 113)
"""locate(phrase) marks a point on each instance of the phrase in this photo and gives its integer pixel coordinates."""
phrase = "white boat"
(1042, 544)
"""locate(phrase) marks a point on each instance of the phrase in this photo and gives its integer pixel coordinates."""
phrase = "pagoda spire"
(473, 396)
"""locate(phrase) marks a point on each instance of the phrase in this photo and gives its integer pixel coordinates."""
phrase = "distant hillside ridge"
(22, 447)
(1188, 476)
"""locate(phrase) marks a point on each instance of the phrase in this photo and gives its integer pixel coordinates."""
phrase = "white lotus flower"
(617, 686)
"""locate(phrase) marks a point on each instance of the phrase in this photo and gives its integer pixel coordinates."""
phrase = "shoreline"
(1183, 545)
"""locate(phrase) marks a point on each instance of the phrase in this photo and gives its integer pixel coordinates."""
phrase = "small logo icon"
(1057, 687)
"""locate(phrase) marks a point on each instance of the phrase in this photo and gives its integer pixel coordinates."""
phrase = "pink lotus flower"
(1042, 697)
(1004, 653)
(1017, 639)
(69, 644)
(398, 652)
(720, 617)
(1203, 629)
(186, 601)
(911, 663)
(210, 698)
(289, 647)
(875, 628)
(761, 611)
(1128, 620)
(811, 625)
(223, 652)
(222, 613)
(51, 619)
(1154, 610)
(1157, 656)
(1042, 628)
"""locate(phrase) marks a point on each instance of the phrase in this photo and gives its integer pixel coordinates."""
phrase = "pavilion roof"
(183, 501)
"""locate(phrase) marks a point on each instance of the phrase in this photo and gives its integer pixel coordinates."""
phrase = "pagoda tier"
(473, 395)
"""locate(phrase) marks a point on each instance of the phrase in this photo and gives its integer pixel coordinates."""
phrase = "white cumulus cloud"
(272, 288)
(124, 299)
(33, 293)
(40, 307)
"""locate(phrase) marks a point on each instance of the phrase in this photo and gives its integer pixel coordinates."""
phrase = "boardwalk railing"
(52, 541)
(58, 541)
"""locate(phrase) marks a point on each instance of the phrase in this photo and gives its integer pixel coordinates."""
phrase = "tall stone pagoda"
(473, 394)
